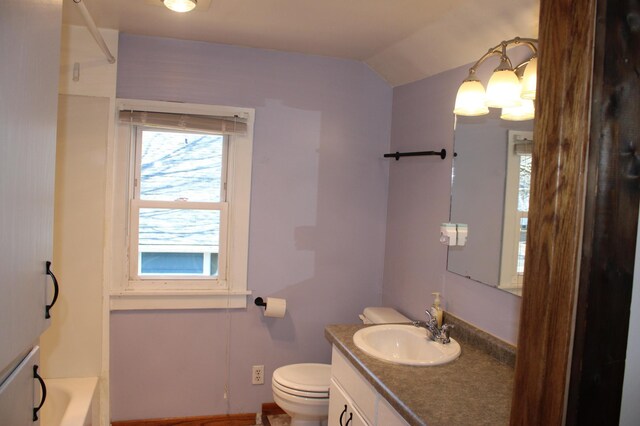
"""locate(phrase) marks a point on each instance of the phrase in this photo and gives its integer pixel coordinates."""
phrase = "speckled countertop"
(473, 390)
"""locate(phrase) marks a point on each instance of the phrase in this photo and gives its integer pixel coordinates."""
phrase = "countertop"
(473, 390)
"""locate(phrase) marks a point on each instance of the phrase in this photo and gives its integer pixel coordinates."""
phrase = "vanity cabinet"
(342, 410)
(353, 401)
(387, 415)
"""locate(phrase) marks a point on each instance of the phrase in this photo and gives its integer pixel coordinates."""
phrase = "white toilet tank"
(382, 315)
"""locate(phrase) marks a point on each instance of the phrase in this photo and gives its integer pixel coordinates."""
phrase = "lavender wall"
(419, 200)
(318, 213)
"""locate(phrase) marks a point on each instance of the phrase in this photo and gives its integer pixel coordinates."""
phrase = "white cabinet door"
(350, 393)
(17, 394)
(362, 394)
(342, 411)
(388, 416)
(30, 52)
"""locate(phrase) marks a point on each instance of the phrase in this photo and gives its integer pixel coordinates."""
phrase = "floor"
(277, 420)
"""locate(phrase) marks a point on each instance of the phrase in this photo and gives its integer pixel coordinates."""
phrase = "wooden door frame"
(610, 220)
(584, 206)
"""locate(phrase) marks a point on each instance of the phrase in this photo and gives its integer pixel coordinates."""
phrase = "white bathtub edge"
(82, 391)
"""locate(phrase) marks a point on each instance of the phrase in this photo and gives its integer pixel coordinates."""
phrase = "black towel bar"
(442, 153)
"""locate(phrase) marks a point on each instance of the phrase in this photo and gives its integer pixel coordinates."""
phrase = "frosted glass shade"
(470, 99)
(503, 89)
(526, 111)
(180, 5)
(529, 80)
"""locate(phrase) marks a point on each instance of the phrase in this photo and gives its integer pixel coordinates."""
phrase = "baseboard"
(247, 419)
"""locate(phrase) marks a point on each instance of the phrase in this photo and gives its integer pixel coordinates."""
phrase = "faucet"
(437, 334)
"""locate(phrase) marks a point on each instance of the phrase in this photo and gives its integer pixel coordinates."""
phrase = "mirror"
(490, 193)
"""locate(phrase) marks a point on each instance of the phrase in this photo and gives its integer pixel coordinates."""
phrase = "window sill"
(178, 299)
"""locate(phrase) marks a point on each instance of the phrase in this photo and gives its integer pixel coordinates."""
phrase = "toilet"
(302, 390)
(382, 315)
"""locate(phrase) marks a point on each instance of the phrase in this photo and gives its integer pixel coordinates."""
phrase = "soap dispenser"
(436, 310)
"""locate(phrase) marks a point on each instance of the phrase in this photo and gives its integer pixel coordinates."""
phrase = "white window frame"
(509, 278)
(175, 282)
(229, 289)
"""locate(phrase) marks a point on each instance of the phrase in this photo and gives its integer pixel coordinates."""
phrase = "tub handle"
(55, 291)
(350, 418)
(44, 392)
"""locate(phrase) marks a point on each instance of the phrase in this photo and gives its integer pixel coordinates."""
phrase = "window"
(522, 211)
(178, 208)
(186, 206)
(516, 208)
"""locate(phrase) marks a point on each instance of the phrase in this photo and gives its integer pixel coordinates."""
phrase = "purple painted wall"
(319, 215)
(419, 200)
(318, 218)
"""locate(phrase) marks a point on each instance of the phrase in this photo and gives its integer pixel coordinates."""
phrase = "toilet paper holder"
(277, 307)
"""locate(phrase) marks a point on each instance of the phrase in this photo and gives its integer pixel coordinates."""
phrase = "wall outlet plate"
(257, 375)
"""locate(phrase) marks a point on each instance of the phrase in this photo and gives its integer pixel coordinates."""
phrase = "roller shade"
(523, 147)
(200, 123)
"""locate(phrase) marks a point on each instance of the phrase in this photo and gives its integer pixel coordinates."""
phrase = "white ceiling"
(402, 40)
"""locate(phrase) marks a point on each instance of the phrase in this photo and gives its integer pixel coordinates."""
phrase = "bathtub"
(70, 402)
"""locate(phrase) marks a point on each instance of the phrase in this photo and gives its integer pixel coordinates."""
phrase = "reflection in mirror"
(516, 208)
(490, 193)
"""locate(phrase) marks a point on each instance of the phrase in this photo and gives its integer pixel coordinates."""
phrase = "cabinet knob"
(55, 291)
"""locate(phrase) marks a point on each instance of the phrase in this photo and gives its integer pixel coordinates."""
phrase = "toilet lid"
(382, 315)
(300, 393)
(307, 378)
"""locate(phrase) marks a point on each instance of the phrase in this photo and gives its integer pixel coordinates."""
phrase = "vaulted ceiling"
(402, 40)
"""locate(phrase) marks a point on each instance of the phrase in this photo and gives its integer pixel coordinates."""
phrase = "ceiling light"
(504, 89)
(180, 5)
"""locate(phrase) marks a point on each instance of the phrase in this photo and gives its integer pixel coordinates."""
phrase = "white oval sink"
(404, 344)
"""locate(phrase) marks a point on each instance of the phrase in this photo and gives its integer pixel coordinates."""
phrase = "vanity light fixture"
(524, 111)
(180, 5)
(511, 88)
(529, 79)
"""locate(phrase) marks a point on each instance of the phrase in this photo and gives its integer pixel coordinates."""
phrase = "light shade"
(529, 79)
(526, 111)
(180, 5)
(470, 99)
(503, 89)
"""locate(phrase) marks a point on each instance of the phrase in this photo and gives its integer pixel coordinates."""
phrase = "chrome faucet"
(437, 334)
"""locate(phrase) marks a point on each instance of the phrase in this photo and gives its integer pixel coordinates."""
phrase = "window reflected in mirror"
(516, 209)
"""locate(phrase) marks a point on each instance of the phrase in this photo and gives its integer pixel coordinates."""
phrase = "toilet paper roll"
(276, 308)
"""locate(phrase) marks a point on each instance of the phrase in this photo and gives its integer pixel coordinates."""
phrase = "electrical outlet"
(257, 375)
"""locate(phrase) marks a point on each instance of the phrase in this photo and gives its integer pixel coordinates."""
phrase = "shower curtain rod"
(91, 26)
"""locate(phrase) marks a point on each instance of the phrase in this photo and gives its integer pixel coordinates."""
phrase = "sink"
(404, 344)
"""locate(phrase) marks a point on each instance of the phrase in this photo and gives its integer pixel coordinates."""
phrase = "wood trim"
(611, 221)
(556, 211)
(247, 419)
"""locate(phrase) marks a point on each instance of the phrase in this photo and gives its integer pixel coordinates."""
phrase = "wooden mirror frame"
(582, 239)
